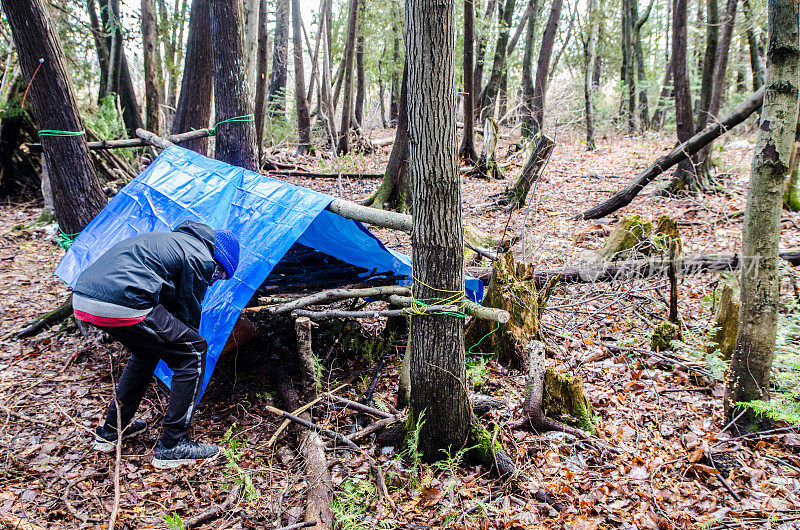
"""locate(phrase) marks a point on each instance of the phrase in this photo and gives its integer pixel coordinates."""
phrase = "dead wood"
(335, 313)
(688, 148)
(374, 427)
(51, 318)
(215, 510)
(308, 365)
(484, 404)
(515, 196)
(354, 405)
(330, 296)
(638, 269)
(470, 308)
(310, 175)
(12, 522)
(533, 408)
(297, 526)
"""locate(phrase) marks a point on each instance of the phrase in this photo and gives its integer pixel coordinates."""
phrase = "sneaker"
(185, 452)
(105, 439)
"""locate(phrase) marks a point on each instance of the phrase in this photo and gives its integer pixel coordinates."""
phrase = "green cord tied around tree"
(247, 117)
(457, 298)
(56, 132)
(65, 240)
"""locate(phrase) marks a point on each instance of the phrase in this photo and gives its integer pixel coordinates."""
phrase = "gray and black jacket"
(172, 269)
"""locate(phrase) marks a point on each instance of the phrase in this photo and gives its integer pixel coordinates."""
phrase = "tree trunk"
(349, 56)
(110, 10)
(252, 17)
(683, 97)
(394, 92)
(151, 90)
(526, 109)
(666, 94)
(131, 114)
(563, 46)
(395, 189)
(438, 372)
(101, 45)
(480, 53)
(197, 87)
(756, 65)
(709, 60)
(262, 62)
(628, 105)
(76, 192)
(276, 98)
(235, 140)
(488, 96)
(467, 150)
(360, 82)
(326, 109)
(540, 86)
(641, 75)
(590, 52)
(751, 364)
(119, 80)
(303, 119)
(521, 25)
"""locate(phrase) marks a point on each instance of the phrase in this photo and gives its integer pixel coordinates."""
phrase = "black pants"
(160, 336)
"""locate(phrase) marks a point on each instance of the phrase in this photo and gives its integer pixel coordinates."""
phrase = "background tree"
(540, 86)
(590, 51)
(638, 50)
(751, 363)
(77, 196)
(235, 140)
(262, 62)
(276, 98)
(684, 175)
(303, 120)
(348, 56)
(151, 82)
(438, 371)
(467, 150)
(489, 94)
(484, 24)
(526, 109)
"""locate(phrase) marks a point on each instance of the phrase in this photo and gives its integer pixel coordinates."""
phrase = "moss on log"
(726, 324)
(513, 289)
(663, 335)
(564, 400)
(634, 236)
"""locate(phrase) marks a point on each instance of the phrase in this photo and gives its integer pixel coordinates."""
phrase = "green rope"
(470, 352)
(66, 239)
(247, 117)
(56, 132)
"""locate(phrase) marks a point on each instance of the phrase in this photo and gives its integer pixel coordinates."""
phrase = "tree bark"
(540, 86)
(252, 17)
(526, 109)
(590, 52)
(563, 46)
(628, 103)
(709, 60)
(76, 192)
(197, 87)
(488, 96)
(751, 364)
(151, 90)
(101, 45)
(680, 153)
(360, 81)
(303, 118)
(349, 56)
(683, 97)
(480, 51)
(394, 92)
(438, 371)
(666, 93)
(235, 140)
(756, 66)
(467, 150)
(641, 75)
(327, 111)
(262, 62)
(276, 98)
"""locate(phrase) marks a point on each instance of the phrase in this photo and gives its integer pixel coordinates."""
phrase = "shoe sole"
(104, 446)
(159, 463)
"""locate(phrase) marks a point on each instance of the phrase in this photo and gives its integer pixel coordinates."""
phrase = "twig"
(112, 520)
(233, 494)
(378, 425)
(330, 296)
(297, 526)
(359, 406)
(333, 313)
(313, 426)
(65, 499)
(25, 417)
(302, 409)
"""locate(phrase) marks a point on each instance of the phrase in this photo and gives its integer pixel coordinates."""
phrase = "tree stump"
(634, 236)
(515, 196)
(663, 335)
(513, 289)
(487, 163)
(726, 324)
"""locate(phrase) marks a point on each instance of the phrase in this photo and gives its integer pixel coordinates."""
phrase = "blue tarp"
(267, 215)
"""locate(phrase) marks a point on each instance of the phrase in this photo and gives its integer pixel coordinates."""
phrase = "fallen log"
(335, 313)
(682, 152)
(347, 209)
(51, 318)
(638, 269)
(470, 308)
(215, 510)
(310, 175)
(330, 296)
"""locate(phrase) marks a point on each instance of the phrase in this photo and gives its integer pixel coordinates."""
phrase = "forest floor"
(664, 421)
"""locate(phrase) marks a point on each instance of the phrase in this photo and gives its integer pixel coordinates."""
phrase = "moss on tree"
(663, 335)
(564, 400)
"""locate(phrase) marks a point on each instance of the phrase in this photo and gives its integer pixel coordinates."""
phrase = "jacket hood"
(199, 230)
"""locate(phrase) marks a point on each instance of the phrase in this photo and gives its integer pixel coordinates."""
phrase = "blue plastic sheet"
(267, 215)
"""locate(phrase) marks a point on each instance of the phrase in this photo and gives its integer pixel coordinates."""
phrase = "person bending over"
(146, 292)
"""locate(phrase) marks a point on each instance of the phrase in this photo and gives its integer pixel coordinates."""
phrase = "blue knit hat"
(226, 251)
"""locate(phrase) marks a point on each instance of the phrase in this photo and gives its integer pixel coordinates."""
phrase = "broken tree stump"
(634, 236)
(550, 395)
(512, 289)
(726, 324)
(515, 196)
(487, 162)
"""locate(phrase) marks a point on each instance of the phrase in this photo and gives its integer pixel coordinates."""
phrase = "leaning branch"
(680, 153)
(333, 295)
